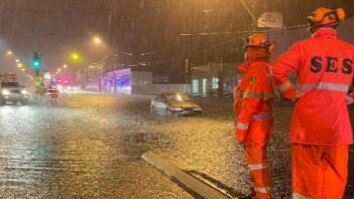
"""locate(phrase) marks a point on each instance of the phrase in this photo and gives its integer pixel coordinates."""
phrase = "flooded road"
(89, 146)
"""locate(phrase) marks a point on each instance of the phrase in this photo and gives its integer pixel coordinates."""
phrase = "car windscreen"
(178, 97)
(10, 84)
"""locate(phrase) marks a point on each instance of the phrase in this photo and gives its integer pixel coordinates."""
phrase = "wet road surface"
(89, 146)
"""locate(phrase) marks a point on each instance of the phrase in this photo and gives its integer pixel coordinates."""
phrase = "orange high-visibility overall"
(320, 129)
(253, 113)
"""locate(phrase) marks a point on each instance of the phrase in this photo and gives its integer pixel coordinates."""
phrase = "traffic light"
(36, 61)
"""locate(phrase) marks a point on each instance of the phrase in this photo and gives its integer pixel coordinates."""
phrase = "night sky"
(160, 33)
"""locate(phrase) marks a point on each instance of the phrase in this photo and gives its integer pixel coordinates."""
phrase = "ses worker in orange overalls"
(320, 129)
(253, 112)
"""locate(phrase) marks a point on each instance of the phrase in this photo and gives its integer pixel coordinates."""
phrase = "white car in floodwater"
(174, 104)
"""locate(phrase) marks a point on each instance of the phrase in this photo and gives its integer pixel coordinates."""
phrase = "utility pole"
(221, 77)
(187, 74)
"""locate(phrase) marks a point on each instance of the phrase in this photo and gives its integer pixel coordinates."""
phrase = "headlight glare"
(5, 92)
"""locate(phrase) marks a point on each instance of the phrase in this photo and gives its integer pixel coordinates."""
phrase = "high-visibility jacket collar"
(243, 68)
(325, 32)
(257, 54)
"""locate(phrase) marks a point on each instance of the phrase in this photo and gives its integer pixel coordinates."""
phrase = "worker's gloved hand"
(349, 100)
(240, 136)
(298, 95)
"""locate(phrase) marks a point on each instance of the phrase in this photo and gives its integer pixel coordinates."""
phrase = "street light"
(9, 52)
(97, 40)
(17, 60)
(19, 65)
(75, 56)
(65, 66)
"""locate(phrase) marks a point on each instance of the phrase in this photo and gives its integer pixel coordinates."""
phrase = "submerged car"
(174, 104)
(12, 91)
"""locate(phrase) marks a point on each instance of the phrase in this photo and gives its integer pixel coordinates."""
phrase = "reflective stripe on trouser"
(242, 126)
(300, 196)
(256, 159)
(319, 172)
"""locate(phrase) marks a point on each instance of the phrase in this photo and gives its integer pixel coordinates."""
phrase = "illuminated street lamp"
(59, 69)
(19, 65)
(17, 60)
(75, 56)
(97, 40)
(65, 66)
(23, 69)
(9, 52)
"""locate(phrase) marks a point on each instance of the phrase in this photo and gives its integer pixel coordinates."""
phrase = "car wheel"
(152, 110)
(169, 112)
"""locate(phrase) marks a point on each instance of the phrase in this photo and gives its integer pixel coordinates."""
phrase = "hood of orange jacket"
(257, 54)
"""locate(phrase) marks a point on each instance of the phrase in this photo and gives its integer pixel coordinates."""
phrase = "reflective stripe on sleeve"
(238, 95)
(242, 126)
(325, 86)
(262, 116)
(300, 196)
(262, 189)
(285, 86)
(258, 95)
(257, 166)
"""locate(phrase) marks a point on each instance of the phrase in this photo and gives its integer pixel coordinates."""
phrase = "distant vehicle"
(174, 104)
(12, 91)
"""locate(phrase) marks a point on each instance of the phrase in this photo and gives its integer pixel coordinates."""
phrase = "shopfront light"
(5, 92)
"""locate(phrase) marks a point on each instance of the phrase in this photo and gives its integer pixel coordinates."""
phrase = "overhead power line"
(67, 12)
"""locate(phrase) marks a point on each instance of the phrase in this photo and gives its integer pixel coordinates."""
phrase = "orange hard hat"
(325, 17)
(259, 40)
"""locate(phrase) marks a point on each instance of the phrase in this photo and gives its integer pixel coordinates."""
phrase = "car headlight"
(197, 109)
(24, 92)
(5, 92)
